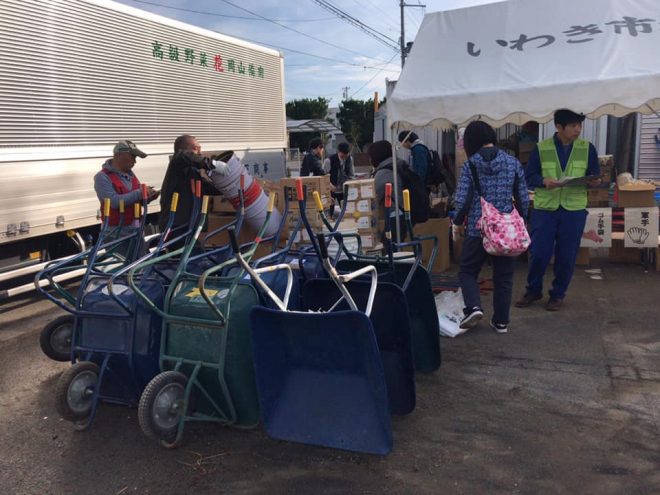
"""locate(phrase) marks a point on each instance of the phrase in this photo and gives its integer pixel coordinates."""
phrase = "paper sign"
(367, 241)
(350, 207)
(364, 222)
(367, 191)
(598, 229)
(364, 206)
(640, 227)
(352, 194)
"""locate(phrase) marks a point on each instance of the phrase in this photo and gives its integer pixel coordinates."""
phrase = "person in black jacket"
(184, 165)
(341, 168)
(311, 164)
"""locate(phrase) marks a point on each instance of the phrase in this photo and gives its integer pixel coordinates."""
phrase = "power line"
(390, 24)
(373, 77)
(215, 14)
(296, 31)
(384, 39)
(279, 47)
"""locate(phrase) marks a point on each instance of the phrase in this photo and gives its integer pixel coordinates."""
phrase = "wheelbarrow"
(319, 375)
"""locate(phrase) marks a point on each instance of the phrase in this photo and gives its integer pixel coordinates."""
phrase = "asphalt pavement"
(566, 402)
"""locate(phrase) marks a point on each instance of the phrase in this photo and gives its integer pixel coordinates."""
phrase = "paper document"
(576, 181)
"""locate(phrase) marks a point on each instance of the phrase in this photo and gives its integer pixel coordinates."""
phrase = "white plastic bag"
(449, 305)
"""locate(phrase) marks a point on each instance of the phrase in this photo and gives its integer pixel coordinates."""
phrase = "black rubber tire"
(173, 382)
(53, 342)
(84, 371)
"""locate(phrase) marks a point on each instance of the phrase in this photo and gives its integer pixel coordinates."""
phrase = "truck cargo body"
(79, 75)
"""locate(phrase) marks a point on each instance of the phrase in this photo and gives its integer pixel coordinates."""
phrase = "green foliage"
(356, 118)
(307, 108)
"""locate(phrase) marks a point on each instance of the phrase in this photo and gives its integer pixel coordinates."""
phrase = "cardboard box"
(597, 197)
(621, 254)
(438, 227)
(247, 234)
(222, 205)
(318, 183)
(361, 208)
(360, 189)
(636, 198)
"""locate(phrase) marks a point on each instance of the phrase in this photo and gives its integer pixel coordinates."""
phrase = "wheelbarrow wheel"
(55, 338)
(162, 407)
(75, 391)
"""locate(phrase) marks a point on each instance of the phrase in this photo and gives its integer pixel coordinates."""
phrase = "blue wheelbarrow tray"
(320, 379)
(133, 342)
(424, 324)
(389, 317)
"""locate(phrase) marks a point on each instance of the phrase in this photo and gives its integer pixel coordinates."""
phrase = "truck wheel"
(162, 407)
(75, 391)
(55, 338)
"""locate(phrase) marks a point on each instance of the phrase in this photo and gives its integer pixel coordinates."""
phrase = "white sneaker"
(499, 327)
(472, 318)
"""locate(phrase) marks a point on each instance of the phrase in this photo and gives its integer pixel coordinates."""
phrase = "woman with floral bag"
(492, 185)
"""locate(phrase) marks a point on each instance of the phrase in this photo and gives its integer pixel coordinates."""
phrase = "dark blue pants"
(554, 232)
(472, 259)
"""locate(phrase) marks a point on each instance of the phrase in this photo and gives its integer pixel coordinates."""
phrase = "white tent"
(518, 60)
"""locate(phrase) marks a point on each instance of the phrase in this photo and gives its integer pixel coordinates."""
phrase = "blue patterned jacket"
(497, 176)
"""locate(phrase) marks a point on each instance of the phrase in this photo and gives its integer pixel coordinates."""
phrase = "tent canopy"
(520, 60)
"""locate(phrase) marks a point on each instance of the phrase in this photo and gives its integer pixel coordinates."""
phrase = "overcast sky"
(318, 33)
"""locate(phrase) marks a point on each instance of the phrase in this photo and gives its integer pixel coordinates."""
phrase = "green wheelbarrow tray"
(424, 324)
(224, 384)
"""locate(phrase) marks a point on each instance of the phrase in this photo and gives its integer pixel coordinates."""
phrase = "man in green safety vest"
(560, 210)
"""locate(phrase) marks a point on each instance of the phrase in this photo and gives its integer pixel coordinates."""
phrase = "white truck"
(79, 75)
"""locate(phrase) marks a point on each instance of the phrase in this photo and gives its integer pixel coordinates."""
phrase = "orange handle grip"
(121, 206)
(175, 201)
(299, 189)
(145, 193)
(205, 204)
(106, 207)
(137, 210)
(388, 195)
(192, 186)
(198, 188)
(242, 182)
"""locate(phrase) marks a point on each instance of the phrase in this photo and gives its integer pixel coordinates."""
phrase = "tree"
(356, 118)
(304, 109)
(307, 108)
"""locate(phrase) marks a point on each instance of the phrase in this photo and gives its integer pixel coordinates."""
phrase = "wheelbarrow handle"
(254, 274)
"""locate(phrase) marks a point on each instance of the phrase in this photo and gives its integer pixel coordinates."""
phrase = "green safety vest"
(570, 198)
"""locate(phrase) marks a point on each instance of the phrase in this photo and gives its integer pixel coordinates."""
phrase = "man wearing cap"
(117, 181)
(559, 212)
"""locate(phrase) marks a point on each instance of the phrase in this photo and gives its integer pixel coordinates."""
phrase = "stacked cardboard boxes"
(287, 188)
(362, 211)
(311, 184)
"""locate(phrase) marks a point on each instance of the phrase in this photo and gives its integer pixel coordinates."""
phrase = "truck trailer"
(79, 75)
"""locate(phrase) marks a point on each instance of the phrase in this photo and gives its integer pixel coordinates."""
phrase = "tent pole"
(397, 221)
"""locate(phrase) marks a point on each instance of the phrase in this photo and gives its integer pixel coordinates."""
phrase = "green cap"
(128, 147)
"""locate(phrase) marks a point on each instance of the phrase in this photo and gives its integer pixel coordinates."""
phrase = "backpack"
(420, 205)
(435, 174)
(503, 234)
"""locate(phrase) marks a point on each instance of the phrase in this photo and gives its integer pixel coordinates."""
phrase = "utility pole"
(345, 92)
(402, 40)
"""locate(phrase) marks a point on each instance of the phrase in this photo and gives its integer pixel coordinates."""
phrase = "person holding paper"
(559, 207)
